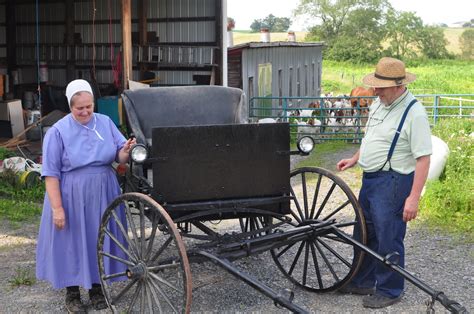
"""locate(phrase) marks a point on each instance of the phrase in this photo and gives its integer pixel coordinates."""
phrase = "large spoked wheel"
(323, 261)
(143, 263)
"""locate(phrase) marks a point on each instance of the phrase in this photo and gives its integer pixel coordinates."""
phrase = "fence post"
(435, 111)
(285, 109)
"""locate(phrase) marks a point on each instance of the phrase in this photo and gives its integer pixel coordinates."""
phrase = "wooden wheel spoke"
(316, 266)
(165, 282)
(119, 259)
(298, 207)
(125, 290)
(305, 195)
(315, 197)
(131, 223)
(328, 264)
(285, 250)
(161, 249)
(134, 298)
(325, 200)
(116, 275)
(163, 294)
(305, 267)
(120, 245)
(163, 267)
(155, 296)
(125, 234)
(336, 254)
(152, 239)
(297, 257)
(142, 228)
(337, 210)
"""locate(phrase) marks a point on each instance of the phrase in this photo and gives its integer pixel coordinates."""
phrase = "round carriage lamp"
(305, 144)
(139, 153)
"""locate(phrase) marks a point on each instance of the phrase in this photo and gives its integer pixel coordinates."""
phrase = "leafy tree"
(273, 23)
(351, 29)
(404, 32)
(433, 43)
(466, 42)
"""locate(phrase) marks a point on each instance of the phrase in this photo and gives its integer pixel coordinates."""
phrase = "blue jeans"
(382, 198)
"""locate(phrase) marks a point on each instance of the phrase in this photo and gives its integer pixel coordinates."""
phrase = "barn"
(45, 44)
(277, 69)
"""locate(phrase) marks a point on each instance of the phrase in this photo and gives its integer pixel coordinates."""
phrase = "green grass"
(22, 277)
(448, 203)
(18, 203)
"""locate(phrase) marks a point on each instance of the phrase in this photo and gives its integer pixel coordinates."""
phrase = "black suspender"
(397, 135)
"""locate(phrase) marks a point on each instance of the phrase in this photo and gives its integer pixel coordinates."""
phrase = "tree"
(351, 29)
(273, 23)
(466, 42)
(404, 31)
(433, 43)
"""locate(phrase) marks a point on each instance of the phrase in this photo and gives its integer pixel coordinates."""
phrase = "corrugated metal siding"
(291, 61)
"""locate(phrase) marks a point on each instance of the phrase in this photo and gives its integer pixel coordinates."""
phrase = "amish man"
(395, 157)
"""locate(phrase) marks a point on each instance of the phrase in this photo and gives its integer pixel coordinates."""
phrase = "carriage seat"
(182, 106)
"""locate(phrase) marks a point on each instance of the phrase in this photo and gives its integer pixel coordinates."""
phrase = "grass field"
(433, 77)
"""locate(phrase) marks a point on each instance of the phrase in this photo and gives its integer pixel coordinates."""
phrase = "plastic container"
(112, 107)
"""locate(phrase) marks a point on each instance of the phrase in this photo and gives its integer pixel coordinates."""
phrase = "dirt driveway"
(443, 262)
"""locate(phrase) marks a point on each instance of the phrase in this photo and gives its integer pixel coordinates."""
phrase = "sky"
(244, 12)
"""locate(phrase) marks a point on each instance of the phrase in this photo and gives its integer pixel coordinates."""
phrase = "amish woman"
(78, 152)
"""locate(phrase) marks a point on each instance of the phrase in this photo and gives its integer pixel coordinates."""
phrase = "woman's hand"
(129, 144)
(123, 153)
(59, 218)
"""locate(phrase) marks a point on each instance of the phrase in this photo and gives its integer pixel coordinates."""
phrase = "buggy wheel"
(253, 223)
(143, 264)
(323, 261)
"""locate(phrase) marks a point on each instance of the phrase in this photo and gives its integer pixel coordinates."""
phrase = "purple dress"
(81, 159)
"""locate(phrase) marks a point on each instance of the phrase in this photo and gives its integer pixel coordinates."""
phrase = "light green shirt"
(383, 121)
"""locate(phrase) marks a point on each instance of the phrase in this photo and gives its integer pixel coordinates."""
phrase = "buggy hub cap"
(137, 271)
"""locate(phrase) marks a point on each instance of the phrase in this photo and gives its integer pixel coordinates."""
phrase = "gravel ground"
(443, 262)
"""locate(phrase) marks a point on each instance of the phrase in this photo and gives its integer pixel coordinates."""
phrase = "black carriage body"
(204, 155)
(214, 166)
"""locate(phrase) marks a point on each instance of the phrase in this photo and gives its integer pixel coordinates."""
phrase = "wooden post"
(143, 32)
(11, 40)
(70, 42)
(127, 41)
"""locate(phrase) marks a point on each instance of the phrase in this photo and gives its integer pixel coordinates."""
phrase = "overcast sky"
(245, 12)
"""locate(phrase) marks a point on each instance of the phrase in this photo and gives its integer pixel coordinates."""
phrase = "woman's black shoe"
(73, 302)
(97, 298)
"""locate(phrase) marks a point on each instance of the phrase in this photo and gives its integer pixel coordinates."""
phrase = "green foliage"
(364, 30)
(18, 203)
(433, 76)
(23, 277)
(273, 23)
(5, 153)
(449, 202)
(466, 41)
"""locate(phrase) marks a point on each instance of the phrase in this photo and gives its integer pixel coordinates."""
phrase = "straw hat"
(389, 72)
(77, 86)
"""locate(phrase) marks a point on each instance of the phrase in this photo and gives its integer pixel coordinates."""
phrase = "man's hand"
(59, 218)
(410, 209)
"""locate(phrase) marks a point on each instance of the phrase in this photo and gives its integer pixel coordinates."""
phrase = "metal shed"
(168, 42)
(277, 69)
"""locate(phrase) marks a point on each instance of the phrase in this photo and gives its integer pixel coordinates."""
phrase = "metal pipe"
(253, 282)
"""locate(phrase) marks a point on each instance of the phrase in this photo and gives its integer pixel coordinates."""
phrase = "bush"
(449, 201)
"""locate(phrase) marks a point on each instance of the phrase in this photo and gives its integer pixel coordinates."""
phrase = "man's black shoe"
(378, 301)
(351, 289)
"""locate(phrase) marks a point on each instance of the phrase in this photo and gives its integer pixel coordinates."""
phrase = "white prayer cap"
(75, 87)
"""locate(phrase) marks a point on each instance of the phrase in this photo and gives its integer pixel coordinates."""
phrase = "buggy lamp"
(139, 153)
(305, 144)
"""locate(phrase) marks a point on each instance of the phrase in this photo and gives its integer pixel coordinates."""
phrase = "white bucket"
(264, 35)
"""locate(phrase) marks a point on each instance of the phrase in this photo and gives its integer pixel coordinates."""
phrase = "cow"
(364, 103)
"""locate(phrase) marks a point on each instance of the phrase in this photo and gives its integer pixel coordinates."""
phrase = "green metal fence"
(335, 118)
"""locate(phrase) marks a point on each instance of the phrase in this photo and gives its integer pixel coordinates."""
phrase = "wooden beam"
(127, 41)
(11, 40)
(218, 74)
(142, 31)
(71, 62)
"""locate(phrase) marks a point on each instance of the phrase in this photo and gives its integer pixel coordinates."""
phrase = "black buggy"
(198, 161)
